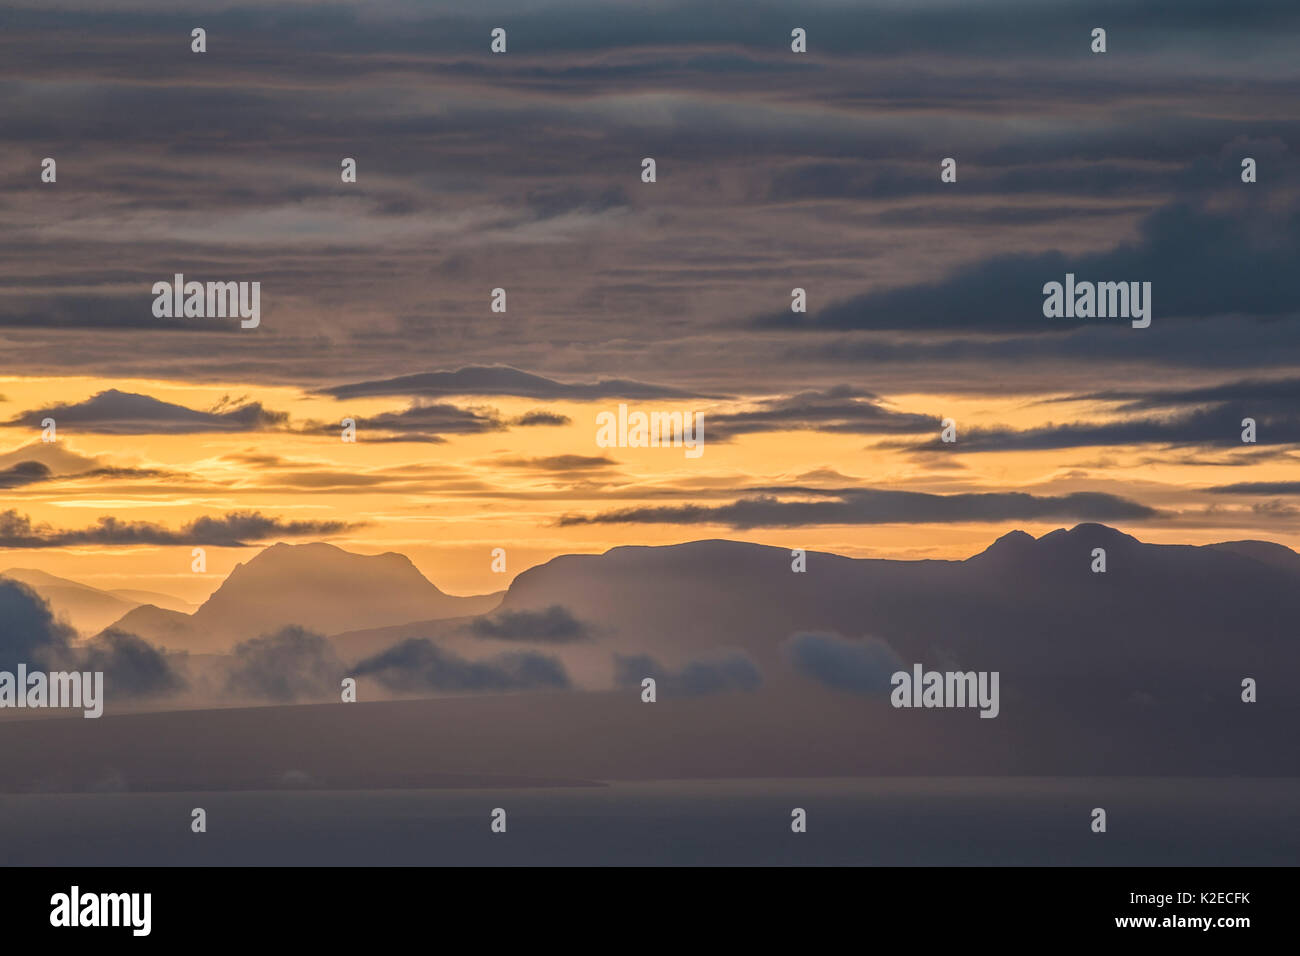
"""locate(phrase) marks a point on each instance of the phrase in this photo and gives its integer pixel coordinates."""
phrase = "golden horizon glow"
(447, 505)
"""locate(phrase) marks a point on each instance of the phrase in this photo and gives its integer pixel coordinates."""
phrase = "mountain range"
(762, 670)
(316, 586)
(1159, 619)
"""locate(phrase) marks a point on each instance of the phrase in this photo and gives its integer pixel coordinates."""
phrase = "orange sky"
(448, 505)
(775, 170)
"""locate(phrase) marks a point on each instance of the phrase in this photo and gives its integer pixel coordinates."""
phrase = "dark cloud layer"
(776, 169)
(233, 530)
(553, 625)
(29, 634)
(877, 506)
(1269, 393)
(499, 380)
(421, 665)
(103, 313)
(999, 28)
(24, 473)
(842, 409)
(1258, 488)
(1221, 426)
(1200, 261)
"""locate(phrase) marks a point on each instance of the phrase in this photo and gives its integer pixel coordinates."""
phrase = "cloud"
(548, 202)
(132, 666)
(1273, 509)
(1038, 362)
(232, 530)
(35, 472)
(426, 422)
(558, 462)
(895, 179)
(725, 672)
(521, 179)
(853, 506)
(1257, 488)
(291, 664)
(858, 666)
(1281, 393)
(30, 634)
(834, 154)
(53, 455)
(1235, 253)
(113, 412)
(112, 471)
(554, 625)
(540, 417)
(1277, 423)
(24, 473)
(842, 408)
(101, 313)
(499, 380)
(420, 665)
(1008, 28)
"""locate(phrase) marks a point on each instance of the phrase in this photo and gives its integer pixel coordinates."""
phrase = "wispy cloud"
(872, 506)
(233, 530)
(500, 380)
(113, 412)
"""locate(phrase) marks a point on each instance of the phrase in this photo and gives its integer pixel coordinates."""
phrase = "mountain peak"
(1014, 538)
(1009, 546)
(1091, 532)
(1018, 546)
(314, 585)
(284, 547)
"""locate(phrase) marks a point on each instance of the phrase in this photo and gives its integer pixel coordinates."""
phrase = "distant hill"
(87, 609)
(316, 586)
(1162, 619)
(1264, 551)
(157, 599)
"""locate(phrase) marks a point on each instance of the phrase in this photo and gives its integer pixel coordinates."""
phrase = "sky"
(775, 170)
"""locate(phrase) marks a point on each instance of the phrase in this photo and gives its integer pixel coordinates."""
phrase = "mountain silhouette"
(317, 586)
(1134, 671)
(1173, 621)
(1161, 619)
